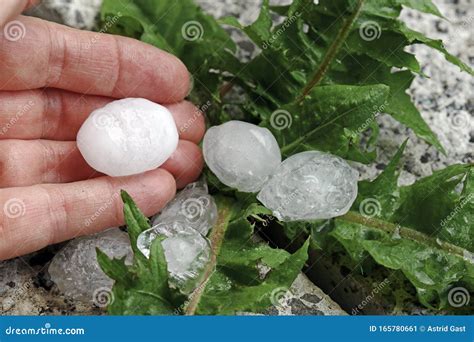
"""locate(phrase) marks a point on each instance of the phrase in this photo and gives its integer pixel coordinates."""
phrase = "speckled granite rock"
(446, 101)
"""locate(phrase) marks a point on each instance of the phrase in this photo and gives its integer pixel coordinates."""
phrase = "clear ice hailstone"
(127, 137)
(186, 251)
(167, 229)
(192, 205)
(241, 155)
(310, 186)
(75, 269)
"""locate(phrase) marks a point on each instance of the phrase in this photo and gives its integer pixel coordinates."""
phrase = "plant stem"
(404, 232)
(216, 238)
(331, 52)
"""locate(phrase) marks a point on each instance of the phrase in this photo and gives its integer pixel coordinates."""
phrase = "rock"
(309, 186)
(75, 269)
(302, 298)
(127, 137)
(194, 206)
(241, 155)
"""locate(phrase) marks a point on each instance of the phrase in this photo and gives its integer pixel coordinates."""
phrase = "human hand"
(51, 78)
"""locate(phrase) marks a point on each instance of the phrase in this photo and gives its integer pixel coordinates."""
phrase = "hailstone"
(75, 268)
(241, 155)
(309, 186)
(192, 205)
(127, 137)
(187, 252)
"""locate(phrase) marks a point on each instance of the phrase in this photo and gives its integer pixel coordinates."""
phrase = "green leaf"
(233, 298)
(235, 282)
(331, 119)
(135, 221)
(426, 6)
(424, 230)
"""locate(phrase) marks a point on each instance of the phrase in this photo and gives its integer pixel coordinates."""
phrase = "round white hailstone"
(241, 155)
(127, 137)
(310, 186)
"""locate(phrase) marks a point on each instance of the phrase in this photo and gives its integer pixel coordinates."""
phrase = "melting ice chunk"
(187, 254)
(186, 251)
(241, 155)
(192, 205)
(168, 229)
(75, 269)
(309, 186)
(127, 137)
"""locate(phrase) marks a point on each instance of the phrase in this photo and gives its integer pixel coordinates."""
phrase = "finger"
(12, 8)
(89, 63)
(185, 164)
(37, 216)
(57, 115)
(29, 162)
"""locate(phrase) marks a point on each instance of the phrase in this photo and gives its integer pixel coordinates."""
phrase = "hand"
(51, 78)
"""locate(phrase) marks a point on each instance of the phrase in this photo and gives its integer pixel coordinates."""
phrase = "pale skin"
(50, 81)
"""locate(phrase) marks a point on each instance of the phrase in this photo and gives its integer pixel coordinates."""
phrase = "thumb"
(12, 8)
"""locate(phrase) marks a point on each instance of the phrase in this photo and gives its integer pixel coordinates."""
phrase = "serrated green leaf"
(331, 120)
(236, 283)
(406, 228)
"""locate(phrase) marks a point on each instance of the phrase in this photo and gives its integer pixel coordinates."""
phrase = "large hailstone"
(77, 273)
(127, 137)
(241, 155)
(309, 186)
